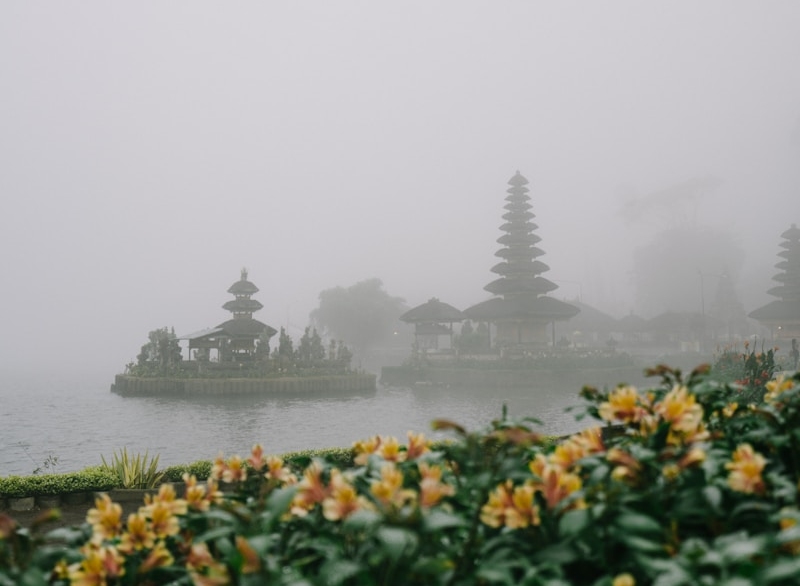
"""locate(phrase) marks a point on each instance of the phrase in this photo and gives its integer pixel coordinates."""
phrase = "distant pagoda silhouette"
(782, 316)
(521, 311)
(238, 335)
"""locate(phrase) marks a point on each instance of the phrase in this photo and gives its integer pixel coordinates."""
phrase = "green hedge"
(89, 479)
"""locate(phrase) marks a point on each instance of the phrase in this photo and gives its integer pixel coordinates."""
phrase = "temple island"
(522, 334)
(235, 357)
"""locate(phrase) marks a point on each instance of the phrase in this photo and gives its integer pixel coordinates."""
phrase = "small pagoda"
(521, 310)
(236, 338)
(782, 316)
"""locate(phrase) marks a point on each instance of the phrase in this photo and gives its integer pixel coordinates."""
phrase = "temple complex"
(521, 310)
(782, 316)
(237, 338)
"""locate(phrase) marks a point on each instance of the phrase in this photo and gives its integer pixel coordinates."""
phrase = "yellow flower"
(138, 536)
(557, 484)
(680, 409)
(158, 557)
(776, 387)
(389, 450)
(730, 409)
(511, 506)
(694, 456)
(218, 468)
(105, 518)
(166, 495)
(162, 521)
(671, 471)
(98, 566)
(276, 470)
(789, 519)
(745, 470)
(343, 499)
(623, 580)
(363, 449)
(389, 489)
(195, 494)
(623, 405)
(235, 470)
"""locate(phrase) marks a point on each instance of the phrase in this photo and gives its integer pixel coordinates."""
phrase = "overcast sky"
(150, 150)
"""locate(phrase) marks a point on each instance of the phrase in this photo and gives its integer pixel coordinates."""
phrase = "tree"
(364, 315)
(161, 351)
(310, 347)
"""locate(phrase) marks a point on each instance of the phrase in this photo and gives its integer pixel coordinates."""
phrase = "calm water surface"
(77, 422)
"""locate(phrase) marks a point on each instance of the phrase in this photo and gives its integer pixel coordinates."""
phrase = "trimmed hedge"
(90, 479)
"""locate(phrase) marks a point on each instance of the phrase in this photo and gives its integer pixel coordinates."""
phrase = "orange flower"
(576, 447)
(557, 484)
(343, 499)
(417, 445)
(623, 405)
(204, 569)
(138, 536)
(745, 470)
(218, 468)
(251, 561)
(431, 488)
(105, 519)
(158, 557)
(256, 459)
(627, 467)
(311, 490)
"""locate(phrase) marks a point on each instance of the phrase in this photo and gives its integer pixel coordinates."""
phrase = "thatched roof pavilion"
(432, 319)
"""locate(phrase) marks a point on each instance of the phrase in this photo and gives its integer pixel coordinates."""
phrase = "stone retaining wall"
(144, 386)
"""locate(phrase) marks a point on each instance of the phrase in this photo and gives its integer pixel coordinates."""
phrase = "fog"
(150, 150)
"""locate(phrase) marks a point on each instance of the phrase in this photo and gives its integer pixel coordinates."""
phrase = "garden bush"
(693, 487)
(90, 479)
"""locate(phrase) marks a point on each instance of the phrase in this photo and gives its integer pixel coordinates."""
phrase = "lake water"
(78, 421)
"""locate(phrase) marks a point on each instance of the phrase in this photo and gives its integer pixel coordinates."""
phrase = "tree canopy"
(363, 315)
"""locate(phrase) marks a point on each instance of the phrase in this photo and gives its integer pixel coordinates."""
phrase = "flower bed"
(692, 488)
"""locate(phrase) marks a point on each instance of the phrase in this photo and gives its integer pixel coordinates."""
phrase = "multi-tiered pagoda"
(235, 338)
(521, 311)
(782, 316)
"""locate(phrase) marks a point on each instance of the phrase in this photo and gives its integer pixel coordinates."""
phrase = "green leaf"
(335, 572)
(573, 522)
(784, 569)
(560, 553)
(437, 520)
(638, 523)
(280, 500)
(213, 534)
(397, 541)
(641, 544)
(713, 496)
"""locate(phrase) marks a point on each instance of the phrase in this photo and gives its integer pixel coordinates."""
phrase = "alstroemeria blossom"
(623, 405)
(745, 468)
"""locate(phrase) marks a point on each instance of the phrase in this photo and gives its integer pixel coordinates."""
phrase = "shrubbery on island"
(696, 484)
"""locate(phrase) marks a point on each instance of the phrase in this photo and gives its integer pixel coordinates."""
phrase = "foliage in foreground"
(692, 488)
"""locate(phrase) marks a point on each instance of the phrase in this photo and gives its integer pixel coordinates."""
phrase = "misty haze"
(151, 152)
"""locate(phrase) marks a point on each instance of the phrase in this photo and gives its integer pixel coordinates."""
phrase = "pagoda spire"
(242, 306)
